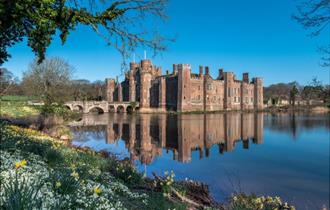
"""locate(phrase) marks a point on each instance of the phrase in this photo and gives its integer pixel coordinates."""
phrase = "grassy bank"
(298, 108)
(17, 107)
(40, 172)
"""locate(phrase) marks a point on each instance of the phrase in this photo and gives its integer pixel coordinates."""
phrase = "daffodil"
(75, 175)
(97, 190)
(20, 164)
(58, 184)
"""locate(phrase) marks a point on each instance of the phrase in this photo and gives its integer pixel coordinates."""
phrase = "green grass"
(17, 109)
(17, 106)
(18, 98)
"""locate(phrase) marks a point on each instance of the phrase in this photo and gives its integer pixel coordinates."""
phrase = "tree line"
(51, 81)
(293, 92)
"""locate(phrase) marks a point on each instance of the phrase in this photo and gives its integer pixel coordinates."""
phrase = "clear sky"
(255, 36)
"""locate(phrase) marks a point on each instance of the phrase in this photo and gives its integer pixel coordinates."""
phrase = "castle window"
(199, 87)
(209, 87)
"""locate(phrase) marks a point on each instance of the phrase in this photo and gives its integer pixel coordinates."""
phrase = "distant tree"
(313, 91)
(51, 80)
(293, 94)
(325, 95)
(7, 81)
(314, 16)
(99, 90)
(123, 24)
(86, 90)
(278, 91)
(80, 89)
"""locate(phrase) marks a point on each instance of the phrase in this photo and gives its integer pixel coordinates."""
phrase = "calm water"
(279, 155)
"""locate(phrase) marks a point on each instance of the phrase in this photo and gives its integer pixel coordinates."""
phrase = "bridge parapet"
(100, 106)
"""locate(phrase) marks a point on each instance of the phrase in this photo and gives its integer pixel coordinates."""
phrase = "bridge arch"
(78, 108)
(96, 109)
(129, 109)
(120, 109)
(67, 106)
(112, 108)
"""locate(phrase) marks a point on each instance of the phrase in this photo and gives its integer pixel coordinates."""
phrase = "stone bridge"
(101, 106)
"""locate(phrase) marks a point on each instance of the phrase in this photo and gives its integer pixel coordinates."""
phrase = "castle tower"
(258, 93)
(110, 86)
(145, 83)
(132, 85)
(120, 92)
(184, 89)
(244, 92)
(229, 83)
(162, 93)
(207, 90)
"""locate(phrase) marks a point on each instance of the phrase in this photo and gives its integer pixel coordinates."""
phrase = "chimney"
(175, 69)
(200, 70)
(246, 77)
(221, 76)
(207, 70)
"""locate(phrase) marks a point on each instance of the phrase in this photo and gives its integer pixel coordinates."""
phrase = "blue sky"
(255, 36)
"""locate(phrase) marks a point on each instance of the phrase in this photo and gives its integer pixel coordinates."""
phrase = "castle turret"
(207, 70)
(229, 83)
(133, 66)
(200, 71)
(145, 83)
(184, 90)
(258, 93)
(110, 86)
(246, 77)
(221, 74)
(162, 93)
(175, 69)
(132, 86)
(120, 92)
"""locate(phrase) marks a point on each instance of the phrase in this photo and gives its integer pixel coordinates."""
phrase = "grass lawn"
(17, 106)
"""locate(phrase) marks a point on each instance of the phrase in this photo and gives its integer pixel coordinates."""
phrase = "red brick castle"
(185, 91)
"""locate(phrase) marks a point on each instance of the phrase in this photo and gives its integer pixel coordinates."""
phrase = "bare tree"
(7, 81)
(50, 80)
(314, 15)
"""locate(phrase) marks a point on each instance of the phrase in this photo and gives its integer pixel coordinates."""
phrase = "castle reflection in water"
(147, 135)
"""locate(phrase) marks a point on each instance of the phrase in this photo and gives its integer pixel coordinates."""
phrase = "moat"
(279, 155)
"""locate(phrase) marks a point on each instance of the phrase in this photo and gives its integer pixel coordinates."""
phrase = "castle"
(183, 90)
